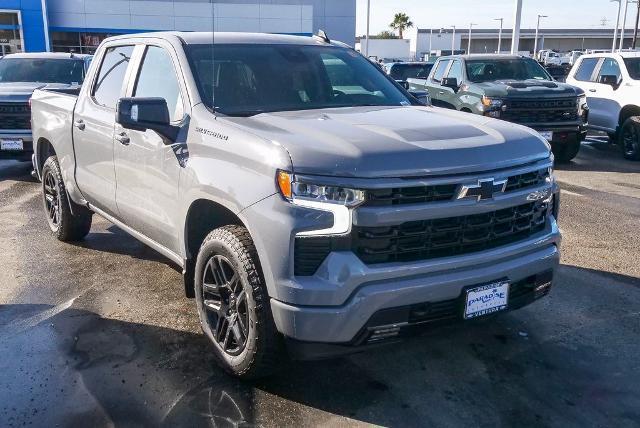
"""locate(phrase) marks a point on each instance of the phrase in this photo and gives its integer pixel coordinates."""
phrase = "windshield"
(252, 79)
(505, 69)
(410, 71)
(41, 70)
(633, 65)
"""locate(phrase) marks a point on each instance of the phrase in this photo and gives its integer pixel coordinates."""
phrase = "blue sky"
(444, 13)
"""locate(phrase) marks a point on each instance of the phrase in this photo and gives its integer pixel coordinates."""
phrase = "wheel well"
(203, 217)
(45, 150)
(627, 112)
(466, 110)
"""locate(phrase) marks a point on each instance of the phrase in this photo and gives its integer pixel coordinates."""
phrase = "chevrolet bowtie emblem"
(484, 189)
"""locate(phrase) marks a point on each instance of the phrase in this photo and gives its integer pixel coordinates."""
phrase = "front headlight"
(489, 102)
(338, 200)
(583, 106)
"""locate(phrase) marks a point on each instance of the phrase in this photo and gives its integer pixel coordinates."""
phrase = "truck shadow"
(16, 171)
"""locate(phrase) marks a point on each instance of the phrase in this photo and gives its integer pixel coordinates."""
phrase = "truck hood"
(374, 142)
(22, 91)
(528, 88)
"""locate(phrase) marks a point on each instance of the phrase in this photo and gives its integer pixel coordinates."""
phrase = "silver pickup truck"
(313, 209)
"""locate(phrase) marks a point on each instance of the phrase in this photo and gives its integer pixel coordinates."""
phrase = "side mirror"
(404, 84)
(450, 82)
(140, 114)
(608, 79)
(422, 97)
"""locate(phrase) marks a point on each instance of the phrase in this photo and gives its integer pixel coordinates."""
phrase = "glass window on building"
(10, 37)
(82, 43)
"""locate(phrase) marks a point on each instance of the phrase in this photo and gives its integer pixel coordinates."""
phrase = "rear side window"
(585, 71)
(108, 86)
(158, 78)
(610, 67)
(440, 69)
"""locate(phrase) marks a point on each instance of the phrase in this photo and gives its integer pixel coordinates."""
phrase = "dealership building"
(80, 25)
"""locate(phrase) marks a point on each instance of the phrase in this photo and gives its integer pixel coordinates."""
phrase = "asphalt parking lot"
(100, 334)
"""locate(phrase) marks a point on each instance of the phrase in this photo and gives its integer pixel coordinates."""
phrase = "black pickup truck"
(512, 88)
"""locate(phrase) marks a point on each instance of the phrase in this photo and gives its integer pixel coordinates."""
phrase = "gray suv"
(312, 204)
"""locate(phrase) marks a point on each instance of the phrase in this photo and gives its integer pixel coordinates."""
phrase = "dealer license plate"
(548, 135)
(486, 299)
(11, 145)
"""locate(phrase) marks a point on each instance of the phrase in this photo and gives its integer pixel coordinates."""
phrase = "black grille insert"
(541, 111)
(15, 116)
(429, 239)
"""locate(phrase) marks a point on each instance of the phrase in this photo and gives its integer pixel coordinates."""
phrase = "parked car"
(511, 88)
(301, 213)
(401, 71)
(552, 58)
(612, 84)
(20, 75)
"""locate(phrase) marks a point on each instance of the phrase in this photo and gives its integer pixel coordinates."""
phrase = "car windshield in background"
(489, 70)
(410, 71)
(250, 79)
(633, 65)
(41, 70)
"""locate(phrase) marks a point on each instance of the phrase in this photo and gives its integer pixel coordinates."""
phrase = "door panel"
(94, 121)
(605, 110)
(147, 169)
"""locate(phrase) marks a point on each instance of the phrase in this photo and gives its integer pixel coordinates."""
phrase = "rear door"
(147, 169)
(439, 97)
(94, 120)
(605, 109)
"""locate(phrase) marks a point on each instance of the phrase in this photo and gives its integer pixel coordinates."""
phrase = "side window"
(157, 78)
(456, 71)
(440, 69)
(107, 88)
(610, 67)
(585, 71)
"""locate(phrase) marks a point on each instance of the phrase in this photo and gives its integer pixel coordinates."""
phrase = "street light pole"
(535, 43)
(453, 40)
(499, 33)
(366, 49)
(469, 44)
(517, 20)
(624, 24)
(635, 29)
(615, 33)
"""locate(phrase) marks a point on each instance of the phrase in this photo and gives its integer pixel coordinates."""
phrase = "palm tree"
(401, 22)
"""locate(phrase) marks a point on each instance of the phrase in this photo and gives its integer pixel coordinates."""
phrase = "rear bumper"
(344, 325)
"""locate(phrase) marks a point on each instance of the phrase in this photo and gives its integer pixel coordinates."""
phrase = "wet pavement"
(100, 334)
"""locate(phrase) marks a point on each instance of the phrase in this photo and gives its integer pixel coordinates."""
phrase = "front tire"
(233, 304)
(65, 225)
(629, 138)
(567, 151)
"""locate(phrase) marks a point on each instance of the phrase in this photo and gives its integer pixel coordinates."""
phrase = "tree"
(385, 35)
(401, 22)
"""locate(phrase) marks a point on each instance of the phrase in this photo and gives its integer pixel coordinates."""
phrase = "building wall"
(32, 22)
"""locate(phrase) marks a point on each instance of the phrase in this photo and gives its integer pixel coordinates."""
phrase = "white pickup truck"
(612, 84)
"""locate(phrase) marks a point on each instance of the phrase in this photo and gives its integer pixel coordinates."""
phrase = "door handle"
(441, 92)
(123, 139)
(80, 124)
(592, 90)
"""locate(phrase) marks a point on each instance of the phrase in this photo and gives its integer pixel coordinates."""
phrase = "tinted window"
(249, 79)
(157, 78)
(585, 71)
(489, 70)
(610, 67)
(456, 71)
(633, 66)
(111, 77)
(410, 71)
(41, 70)
(440, 69)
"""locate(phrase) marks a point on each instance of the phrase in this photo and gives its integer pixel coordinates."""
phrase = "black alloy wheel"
(630, 138)
(225, 303)
(52, 200)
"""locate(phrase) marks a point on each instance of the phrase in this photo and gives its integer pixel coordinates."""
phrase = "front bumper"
(563, 134)
(419, 283)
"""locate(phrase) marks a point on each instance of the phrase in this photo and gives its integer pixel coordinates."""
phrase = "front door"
(147, 168)
(605, 109)
(93, 127)
(438, 92)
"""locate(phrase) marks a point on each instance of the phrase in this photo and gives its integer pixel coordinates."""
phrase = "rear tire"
(66, 225)
(233, 304)
(567, 151)
(629, 138)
